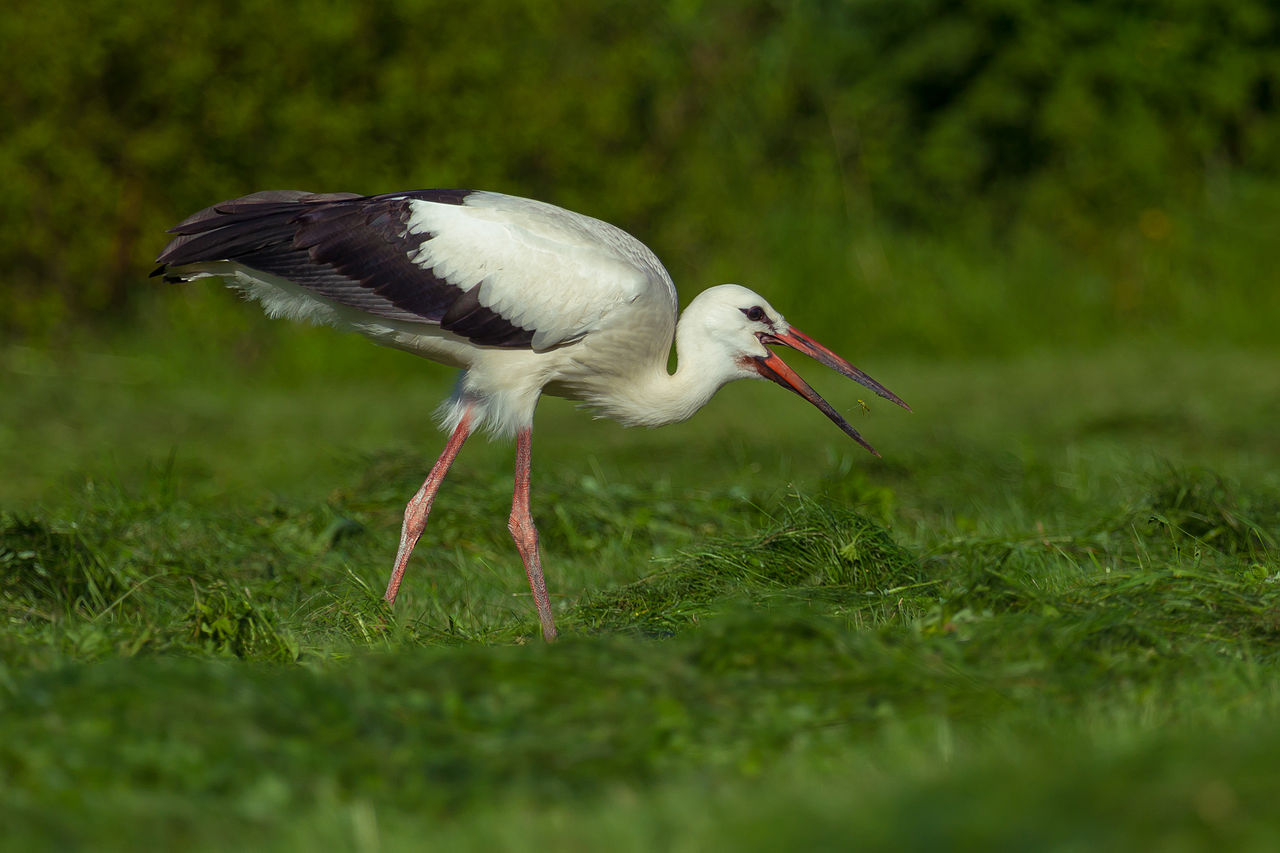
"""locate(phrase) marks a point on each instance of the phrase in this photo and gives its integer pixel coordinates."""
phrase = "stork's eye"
(755, 313)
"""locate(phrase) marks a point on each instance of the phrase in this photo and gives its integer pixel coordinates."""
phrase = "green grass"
(1049, 618)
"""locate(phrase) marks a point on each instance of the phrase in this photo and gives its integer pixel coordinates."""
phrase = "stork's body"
(526, 297)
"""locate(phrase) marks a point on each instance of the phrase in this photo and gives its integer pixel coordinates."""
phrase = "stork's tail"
(235, 228)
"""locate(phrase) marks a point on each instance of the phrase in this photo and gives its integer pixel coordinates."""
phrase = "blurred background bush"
(926, 175)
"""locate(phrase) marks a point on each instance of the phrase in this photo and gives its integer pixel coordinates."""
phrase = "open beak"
(773, 368)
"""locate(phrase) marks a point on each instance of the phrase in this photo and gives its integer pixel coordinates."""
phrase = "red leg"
(526, 535)
(415, 514)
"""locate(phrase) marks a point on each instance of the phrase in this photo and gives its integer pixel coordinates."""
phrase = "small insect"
(866, 410)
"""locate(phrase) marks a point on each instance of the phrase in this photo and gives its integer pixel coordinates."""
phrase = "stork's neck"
(653, 397)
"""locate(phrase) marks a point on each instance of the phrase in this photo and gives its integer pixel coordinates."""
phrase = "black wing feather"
(352, 250)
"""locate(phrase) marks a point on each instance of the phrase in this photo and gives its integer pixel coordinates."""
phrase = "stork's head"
(742, 326)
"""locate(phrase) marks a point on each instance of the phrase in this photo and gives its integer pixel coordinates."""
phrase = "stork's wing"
(493, 269)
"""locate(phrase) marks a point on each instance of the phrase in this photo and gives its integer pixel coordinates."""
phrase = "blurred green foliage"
(795, 142)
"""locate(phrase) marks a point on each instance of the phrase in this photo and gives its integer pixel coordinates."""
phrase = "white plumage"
(526, 297)
(530, 260)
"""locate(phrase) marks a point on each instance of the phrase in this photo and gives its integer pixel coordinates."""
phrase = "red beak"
(775, 369)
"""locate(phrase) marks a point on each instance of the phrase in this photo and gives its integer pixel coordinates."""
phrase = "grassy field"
(1049, 618)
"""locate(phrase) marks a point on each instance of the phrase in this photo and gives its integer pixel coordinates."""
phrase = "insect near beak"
(773, 368)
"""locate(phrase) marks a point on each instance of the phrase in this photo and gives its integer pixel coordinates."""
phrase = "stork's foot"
(526, 538)
(415, 521)
(526, 535)
(415, 514)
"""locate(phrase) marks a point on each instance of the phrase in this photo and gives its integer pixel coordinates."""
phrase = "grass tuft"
(228, 621)
(1204, 508)
(55, 572)
(814, 552)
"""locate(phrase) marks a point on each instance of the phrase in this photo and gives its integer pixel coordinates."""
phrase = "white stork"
(527, 298)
